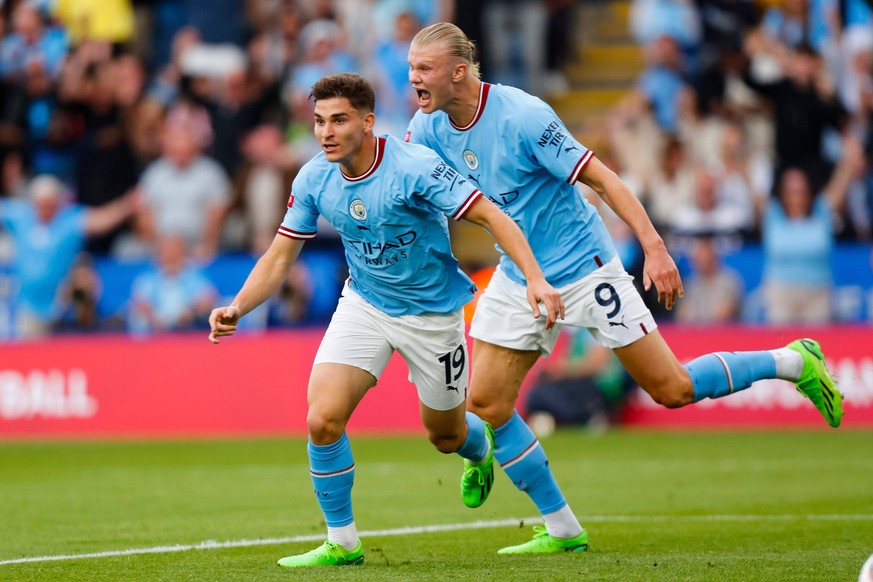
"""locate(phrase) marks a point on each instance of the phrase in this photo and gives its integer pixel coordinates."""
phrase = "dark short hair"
(353, 87)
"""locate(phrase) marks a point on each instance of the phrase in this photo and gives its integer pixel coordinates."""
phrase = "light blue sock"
(475, 448)
(518, 451)
(722, 373)
(333, 473)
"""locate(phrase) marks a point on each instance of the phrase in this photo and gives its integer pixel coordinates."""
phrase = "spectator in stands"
(652, 20)
(711, 213)
(804, 106)
(672, 183)
(48, 234)
(31, 43)
(661, 88)
(798, 240)
(713, 292)
(78, 299)
(265, 188)
(396, 104)
(174, 294)
(13, 178)
(744, 177)
(184, 192)
(105, 168)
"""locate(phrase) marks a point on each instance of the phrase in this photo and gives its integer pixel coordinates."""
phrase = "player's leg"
(497, 374)
(349, 361)
(464, 433)
(621, 321)
(654, 367)
(435, 349)
(507, 343)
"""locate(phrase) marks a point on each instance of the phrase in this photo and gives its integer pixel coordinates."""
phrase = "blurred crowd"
(751, 122)
(169, 131)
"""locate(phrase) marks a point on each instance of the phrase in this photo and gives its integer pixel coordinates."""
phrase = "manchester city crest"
(358, 210)
(470, 159)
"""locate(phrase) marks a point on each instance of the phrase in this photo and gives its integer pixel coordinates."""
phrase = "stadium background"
(618, 72)
(128, 448)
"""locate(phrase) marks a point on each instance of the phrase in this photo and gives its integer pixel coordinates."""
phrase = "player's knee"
(324, 429)
(445, 442)
(495, 413)
(672, 395)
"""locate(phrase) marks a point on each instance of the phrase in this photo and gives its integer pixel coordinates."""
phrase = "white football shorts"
(605, 302)
(434, 347)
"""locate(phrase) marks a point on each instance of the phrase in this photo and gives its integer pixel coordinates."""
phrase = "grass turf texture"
(650, 500)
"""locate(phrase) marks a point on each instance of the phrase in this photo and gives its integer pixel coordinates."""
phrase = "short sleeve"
(415, 131)
(301, 215)
(550, 142)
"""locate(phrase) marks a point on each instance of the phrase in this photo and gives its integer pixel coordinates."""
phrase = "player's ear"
(369, 120)
(460, 72)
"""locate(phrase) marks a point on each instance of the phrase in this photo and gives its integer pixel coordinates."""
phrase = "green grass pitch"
(787, 505)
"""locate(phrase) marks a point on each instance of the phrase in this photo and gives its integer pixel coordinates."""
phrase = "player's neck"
(362, 160)
(462, 109)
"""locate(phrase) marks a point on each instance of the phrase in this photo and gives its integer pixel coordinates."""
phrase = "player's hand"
(660, 269)
(222, 322)
(539, 291)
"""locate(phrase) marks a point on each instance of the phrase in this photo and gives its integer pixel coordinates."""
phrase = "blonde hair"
(455, 41)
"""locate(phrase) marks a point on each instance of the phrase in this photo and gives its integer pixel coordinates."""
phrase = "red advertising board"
(117, 386)
(178, 386)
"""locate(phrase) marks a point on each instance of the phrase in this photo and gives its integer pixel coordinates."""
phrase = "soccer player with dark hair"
(515, 148)
(389, 201)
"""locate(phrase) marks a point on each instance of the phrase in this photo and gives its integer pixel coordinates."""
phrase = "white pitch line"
(424, 529)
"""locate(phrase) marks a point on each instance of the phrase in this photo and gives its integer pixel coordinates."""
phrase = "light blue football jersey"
(521, 156)
(392, 221)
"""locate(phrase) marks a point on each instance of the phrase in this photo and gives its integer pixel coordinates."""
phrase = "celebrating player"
(515, 148)
(389, 201)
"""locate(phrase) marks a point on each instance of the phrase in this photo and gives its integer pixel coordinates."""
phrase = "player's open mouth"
(329, 147)
(423, 97)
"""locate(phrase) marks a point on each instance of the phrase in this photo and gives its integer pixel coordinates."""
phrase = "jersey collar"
(380, 152)
(480, 108)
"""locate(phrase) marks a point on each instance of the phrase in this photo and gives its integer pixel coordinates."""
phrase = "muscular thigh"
(496, 379)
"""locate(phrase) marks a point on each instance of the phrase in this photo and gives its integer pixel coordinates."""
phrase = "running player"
(515, 148)
(389, 201)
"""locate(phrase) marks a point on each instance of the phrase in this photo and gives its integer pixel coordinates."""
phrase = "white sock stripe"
(413, 530)
(521, 455)
(727, 371)
(332, 473)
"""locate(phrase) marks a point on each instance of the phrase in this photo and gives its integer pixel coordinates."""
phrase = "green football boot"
(478, 478)
(816, 382)
(327, 554)
(543, 543)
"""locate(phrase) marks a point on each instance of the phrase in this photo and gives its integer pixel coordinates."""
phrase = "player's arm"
(659, 267)
(510, 238)
(264, 280)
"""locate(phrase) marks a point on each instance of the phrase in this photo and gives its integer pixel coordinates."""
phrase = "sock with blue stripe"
(475, 447)
(518, 451)
(332, 468)
(722, 373)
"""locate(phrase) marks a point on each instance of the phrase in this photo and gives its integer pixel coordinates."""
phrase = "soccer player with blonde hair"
(515, 149)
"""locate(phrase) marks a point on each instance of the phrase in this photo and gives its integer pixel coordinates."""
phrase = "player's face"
(340, 129)
(430, 73)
